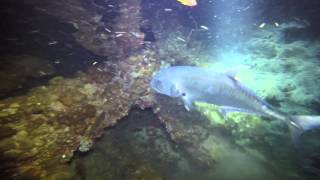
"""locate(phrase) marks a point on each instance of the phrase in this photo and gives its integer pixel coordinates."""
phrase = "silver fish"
(222, 89)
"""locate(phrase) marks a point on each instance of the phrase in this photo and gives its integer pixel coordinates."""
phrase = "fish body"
(188, 2)
(222, 89)
(204, 85)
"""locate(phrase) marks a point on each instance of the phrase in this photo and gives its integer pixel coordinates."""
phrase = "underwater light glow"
(232, 20)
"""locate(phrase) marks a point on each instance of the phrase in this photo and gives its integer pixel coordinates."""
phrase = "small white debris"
(110, 5)
(108, 30)
(135, 34)
(246, 8)
(57, 62)
(119, 35)
(42, 73)
(94, 63)
(276, 24)
(168, 10)
(97, 18)
(204, 27)
(120, 32)
(35, 31)
(181, 39)
(75, 25)
(12, 39)
(99, 69)
(294, 124)
(262, 25)
(64, 156)
(40, 9)
(52, 43)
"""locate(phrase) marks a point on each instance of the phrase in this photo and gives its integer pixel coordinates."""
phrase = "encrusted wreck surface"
(42, 129)
(106, 28)
(48, 124)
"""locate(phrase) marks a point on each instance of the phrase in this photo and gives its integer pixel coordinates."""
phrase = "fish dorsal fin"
(248, 92)
(234, 71)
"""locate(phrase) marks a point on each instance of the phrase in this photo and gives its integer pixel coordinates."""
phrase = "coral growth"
(287, 71)
(47, 124)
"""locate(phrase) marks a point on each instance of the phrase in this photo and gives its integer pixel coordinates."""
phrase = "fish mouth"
(154, 87)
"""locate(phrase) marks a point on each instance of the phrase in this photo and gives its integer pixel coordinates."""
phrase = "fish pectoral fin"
(188, 104)
(222, 113)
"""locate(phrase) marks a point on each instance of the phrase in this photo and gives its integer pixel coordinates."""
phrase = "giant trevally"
(222, 89)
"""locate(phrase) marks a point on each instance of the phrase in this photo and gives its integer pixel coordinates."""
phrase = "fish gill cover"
(71, 68)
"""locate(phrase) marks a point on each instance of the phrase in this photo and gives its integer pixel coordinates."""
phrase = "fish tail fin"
(300, 124)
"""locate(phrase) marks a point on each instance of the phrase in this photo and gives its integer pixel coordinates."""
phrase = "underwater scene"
(160, 90)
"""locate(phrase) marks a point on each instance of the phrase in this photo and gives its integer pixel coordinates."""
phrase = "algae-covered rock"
(8, 111)
(6, 131)
(145, 172)
(16, 71)
(53, 121)
(85, 144)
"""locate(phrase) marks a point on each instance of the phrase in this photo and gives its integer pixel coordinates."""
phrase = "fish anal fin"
(299, 124)
(224, 110)
(306, 122)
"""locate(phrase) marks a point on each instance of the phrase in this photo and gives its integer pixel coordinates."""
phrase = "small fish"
(276, 24)
(168, 10)
(204, 27)
(192, 84)
(188, 2)
(94, 63)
